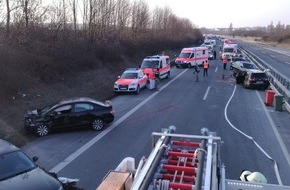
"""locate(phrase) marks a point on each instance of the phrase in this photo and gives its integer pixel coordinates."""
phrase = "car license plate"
(123, 88)
(260, 82)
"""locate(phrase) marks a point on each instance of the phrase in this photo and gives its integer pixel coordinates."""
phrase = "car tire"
(97, 124)
(168, 74)
(238, 79)
(42, 130)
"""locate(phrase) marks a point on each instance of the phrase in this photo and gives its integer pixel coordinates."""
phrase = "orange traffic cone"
(223, 76)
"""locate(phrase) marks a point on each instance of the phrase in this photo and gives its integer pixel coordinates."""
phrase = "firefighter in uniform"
(225, 62)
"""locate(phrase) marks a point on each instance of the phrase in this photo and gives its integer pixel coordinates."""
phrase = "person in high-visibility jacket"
(225, 61)
(205, 68)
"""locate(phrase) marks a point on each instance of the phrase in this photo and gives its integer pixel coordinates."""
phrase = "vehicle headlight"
(115, 84)
(133, 84)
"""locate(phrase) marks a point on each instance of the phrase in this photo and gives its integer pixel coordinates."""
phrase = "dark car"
(19, 172)
(256, 79)
(234, 59)
(69, 113)
(240, 69)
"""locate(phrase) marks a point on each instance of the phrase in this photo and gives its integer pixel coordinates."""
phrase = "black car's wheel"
(98, 124)
(42, 130)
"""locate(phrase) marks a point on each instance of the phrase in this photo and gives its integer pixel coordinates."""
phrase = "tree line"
(95, 22)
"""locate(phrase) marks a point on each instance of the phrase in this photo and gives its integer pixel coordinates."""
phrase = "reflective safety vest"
(205, 65)
(225, 60)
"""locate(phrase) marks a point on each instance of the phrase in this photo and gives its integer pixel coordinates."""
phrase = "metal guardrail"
(278, 82)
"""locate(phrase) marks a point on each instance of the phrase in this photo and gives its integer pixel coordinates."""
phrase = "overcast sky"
(220, 13)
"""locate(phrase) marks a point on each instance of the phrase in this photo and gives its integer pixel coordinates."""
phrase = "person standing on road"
(225, 61)
(156, 77)
(195, 72)
(214, 54)
(205, 68)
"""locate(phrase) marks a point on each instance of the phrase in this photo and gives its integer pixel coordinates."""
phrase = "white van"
(192, 56)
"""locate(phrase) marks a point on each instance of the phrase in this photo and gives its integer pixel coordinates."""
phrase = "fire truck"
(179, 162)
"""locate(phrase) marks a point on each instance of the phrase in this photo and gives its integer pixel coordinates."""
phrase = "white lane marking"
(115, 124)
(216, 69)
(206, 93)
(284, 52)
(252, 139)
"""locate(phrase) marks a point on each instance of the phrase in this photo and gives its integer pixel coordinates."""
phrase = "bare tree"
(8, 10)
(140, 17)
(73, 4)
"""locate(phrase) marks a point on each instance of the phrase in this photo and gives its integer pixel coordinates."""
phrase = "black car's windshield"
(249, 66)
(129, 76)
(44, 110)
(150, 64)
(14, 163)
(184, 55)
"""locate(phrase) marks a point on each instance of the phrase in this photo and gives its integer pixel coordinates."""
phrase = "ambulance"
(156, 66)
(229, 49)
(192, 56)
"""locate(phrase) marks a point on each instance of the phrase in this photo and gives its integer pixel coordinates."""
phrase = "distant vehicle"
(210, 55)
(238, 55)
(132, 80)
(240, 69)
(236, 58)
(156, 65)
(19, 172)
(256, 79)
(229, 49)
(68, 114)
(188, 57)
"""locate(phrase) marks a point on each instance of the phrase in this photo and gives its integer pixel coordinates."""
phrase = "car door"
(142, 79)
(61, 116)
(82, 113)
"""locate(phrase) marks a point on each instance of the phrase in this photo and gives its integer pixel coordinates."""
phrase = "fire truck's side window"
(161, 63)
(192, 55)
(203, 52)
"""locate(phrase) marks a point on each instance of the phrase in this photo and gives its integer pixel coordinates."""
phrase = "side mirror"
(35, 158)
(52, 114)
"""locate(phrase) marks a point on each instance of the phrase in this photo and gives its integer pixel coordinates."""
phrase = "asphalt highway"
(254, 136)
